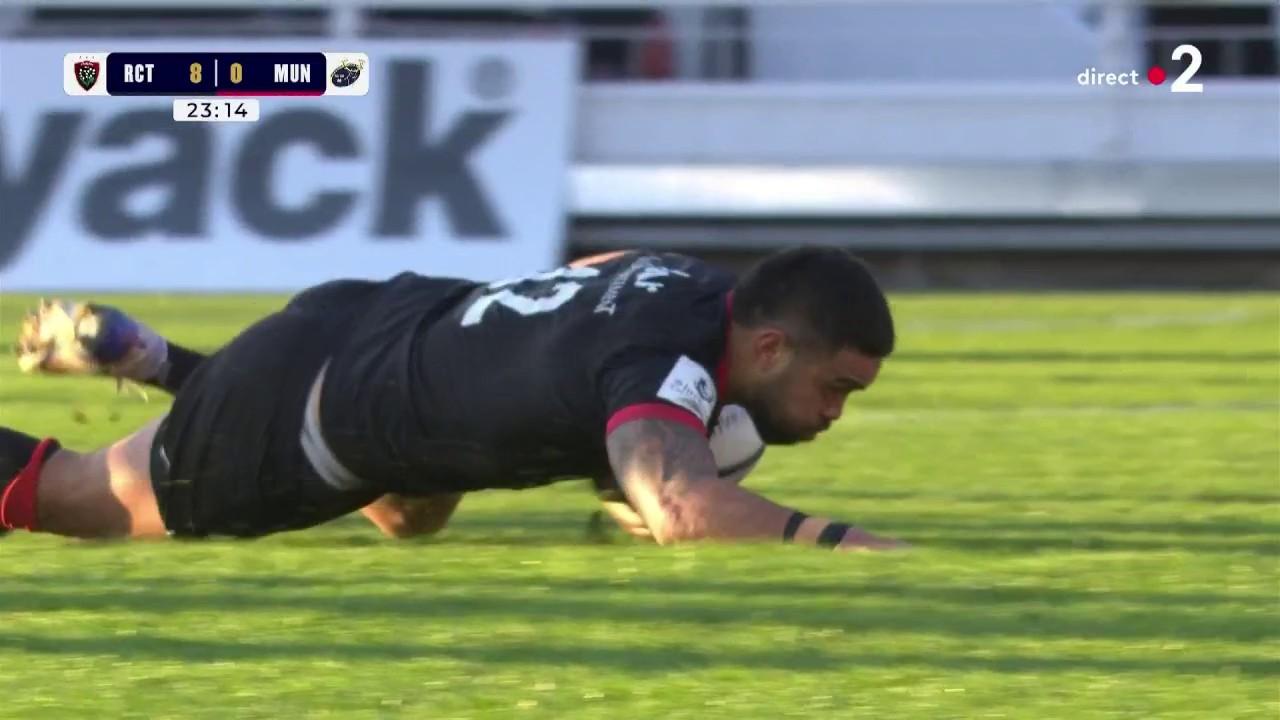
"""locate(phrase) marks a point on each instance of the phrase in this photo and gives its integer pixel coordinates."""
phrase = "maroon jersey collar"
(722, 368)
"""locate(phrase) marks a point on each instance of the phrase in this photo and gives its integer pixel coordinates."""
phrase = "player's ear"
(772, 349)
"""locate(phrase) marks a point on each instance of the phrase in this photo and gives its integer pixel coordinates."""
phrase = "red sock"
(18, 504)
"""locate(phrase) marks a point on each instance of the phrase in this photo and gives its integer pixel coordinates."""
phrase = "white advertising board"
(454, 163)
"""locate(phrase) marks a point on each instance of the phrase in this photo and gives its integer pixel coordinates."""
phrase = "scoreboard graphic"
(209, 86)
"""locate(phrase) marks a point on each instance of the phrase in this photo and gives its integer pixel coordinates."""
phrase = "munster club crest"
(347, 72)
(86, 72)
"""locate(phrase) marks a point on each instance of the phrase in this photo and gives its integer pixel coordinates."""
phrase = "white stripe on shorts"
(318, 452)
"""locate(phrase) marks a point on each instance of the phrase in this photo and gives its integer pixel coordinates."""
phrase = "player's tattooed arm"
(668, 473)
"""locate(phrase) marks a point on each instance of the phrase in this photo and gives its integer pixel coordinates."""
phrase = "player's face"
(806, 393)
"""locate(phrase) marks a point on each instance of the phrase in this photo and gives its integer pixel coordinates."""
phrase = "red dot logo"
(1156, 75)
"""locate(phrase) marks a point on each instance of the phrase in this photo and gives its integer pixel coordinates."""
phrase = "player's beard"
(766, 407)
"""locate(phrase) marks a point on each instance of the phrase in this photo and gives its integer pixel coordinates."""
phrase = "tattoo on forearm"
(660, 450)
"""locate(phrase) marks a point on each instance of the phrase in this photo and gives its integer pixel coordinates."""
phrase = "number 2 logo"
(1181, 85)
(561, 292)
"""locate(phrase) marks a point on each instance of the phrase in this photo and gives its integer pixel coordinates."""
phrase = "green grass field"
(1091, 485)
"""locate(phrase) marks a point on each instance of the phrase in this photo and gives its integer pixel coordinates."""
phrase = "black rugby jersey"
(453, 386)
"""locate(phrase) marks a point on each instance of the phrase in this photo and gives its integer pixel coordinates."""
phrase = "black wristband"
(793, 524)
(832, 534)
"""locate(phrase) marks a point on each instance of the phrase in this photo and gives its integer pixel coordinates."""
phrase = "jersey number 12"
(562, 291)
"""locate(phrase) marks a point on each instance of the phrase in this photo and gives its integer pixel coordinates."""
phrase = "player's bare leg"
(101, 494)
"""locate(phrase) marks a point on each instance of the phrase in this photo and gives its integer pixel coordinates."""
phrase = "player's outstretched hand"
(856, 540)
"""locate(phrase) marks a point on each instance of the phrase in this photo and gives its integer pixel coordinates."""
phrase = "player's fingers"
(872, 544)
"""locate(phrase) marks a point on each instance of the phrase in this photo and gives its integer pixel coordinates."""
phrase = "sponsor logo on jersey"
(705, 392)
(689, 386)
(649, 272)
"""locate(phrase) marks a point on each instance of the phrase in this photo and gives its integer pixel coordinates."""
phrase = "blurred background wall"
(955, 144)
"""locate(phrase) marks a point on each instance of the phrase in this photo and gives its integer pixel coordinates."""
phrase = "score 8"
(196, 73)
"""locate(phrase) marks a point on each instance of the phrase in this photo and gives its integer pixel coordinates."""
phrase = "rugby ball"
(735, 443)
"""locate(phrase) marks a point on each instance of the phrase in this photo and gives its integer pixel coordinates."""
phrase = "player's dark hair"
(828, 291)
